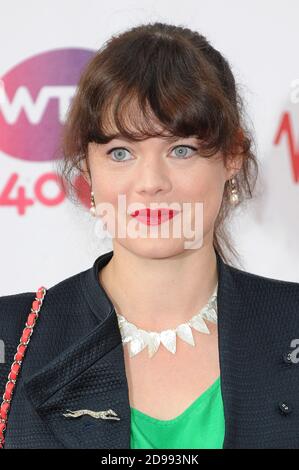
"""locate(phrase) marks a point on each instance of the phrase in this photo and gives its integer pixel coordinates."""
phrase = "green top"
(200, 426)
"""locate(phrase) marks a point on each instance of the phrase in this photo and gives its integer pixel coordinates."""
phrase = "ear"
(235, 161)
(85, 171)
(233, 166)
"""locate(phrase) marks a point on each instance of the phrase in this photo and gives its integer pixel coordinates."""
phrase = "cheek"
(211, 195)
(106, 193)
(107, 183)
(116, 195)
(204, 184)
(107, 189)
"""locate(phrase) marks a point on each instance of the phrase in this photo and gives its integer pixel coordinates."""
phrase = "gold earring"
(92, 209)
(234, 194)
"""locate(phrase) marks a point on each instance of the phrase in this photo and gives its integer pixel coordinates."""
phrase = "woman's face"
(171, 173)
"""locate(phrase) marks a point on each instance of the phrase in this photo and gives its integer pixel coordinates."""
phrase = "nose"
(152, 178)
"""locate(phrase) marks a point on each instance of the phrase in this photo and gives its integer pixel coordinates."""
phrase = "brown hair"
(165, 74)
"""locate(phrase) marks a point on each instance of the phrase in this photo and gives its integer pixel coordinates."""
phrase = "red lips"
(154, 216)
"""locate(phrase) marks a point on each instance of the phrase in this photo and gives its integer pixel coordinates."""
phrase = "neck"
(160, 293)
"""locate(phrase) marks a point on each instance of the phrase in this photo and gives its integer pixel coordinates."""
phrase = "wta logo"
(34, 98)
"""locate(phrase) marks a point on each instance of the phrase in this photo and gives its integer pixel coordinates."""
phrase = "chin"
(153, 248)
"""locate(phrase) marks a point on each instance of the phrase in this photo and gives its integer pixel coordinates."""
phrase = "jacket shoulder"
(269, 290)
(249, 276)
(14, 310)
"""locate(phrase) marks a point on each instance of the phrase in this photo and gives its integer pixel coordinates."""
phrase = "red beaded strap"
(18, 359)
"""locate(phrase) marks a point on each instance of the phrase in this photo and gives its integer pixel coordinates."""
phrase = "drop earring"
(234, 193)
(92, 209)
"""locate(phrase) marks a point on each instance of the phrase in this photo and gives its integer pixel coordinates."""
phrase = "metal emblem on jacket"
(107, 414)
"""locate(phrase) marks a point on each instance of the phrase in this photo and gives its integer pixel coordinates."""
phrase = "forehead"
(134, 120)
(163, 138)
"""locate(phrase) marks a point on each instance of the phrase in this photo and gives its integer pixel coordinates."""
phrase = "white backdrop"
(49, 243)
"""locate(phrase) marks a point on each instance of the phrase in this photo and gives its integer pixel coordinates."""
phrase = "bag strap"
(18, 360)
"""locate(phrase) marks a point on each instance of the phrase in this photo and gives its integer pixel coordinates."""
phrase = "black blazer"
(74, 360)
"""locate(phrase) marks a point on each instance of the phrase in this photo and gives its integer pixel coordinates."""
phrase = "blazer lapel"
(229, 306)
(90, 375)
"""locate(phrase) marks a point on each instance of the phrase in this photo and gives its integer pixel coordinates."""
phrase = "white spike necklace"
(138, 338)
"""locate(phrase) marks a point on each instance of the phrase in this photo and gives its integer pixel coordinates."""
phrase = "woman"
(161, 343)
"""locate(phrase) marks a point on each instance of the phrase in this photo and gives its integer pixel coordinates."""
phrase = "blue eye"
(119, 153)
(182, 155)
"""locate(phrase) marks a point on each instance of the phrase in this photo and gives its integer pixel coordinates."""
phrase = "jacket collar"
(90, 374)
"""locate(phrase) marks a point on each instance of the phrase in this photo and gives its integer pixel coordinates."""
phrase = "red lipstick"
(154, 216)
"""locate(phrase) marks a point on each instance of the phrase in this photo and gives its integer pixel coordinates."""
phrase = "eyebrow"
(167, 139)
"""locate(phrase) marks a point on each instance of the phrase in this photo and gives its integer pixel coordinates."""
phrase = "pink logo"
(34, 98)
